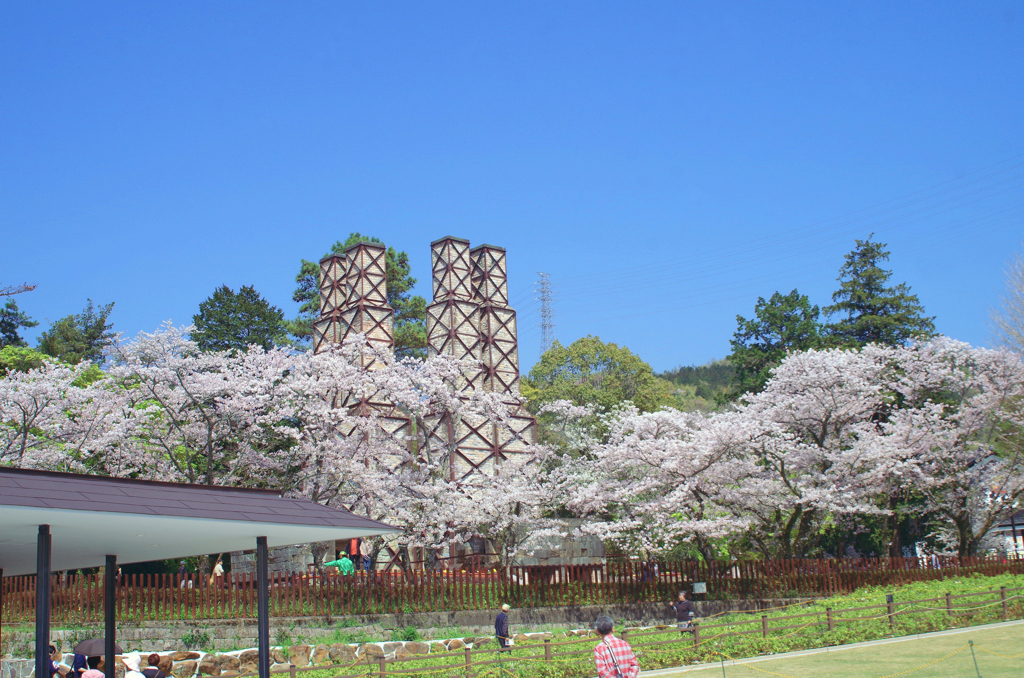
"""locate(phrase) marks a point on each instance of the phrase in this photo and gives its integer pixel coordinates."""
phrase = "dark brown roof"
(72, 491)
(90, 517)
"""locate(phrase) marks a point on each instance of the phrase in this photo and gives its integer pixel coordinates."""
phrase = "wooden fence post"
(764, 625)
(831, 622)
(890, 601)
(1002, 594)
(383, 664)
(469, 664)
(547, 649)
(949, 604)
(696, 635)
(291, 670)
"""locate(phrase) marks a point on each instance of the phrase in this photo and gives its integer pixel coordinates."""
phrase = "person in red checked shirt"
(613, 656)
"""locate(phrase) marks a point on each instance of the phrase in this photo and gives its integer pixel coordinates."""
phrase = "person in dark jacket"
(54, 666)
(79, 665)
(501, 629)
(685, 612)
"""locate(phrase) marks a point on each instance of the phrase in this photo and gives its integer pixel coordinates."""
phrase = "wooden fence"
(665, 645)
(78, 598)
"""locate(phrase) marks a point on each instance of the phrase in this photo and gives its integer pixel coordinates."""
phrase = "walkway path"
(680, 670)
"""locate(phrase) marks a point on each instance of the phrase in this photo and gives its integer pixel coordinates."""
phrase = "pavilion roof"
(141, 520)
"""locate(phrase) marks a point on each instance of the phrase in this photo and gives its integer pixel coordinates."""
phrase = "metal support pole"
(262, 607)
(109, 614)
(43, 546)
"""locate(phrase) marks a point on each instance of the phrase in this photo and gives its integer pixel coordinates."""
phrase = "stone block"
(299, 654)
(248, 660)
(321, 654)
(455, 644)
(181, 656)
(229, 663)
(184, 669)
(166, 662)
(209, 665)
(416, 647)
(277, 656)
(340, 653)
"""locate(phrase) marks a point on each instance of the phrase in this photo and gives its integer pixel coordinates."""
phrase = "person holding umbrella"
(94, 649)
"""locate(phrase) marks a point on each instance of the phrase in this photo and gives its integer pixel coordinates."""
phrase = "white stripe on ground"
(679, 670)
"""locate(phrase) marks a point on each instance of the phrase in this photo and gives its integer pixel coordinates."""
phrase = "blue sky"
(665, 163)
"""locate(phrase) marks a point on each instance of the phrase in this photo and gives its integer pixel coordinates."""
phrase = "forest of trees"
(844, 428)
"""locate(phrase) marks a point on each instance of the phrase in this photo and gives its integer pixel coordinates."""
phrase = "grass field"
(878, 660)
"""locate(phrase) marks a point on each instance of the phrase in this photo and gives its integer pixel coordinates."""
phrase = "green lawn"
(887, 659)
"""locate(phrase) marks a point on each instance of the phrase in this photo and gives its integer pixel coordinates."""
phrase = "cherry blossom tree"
(956, 436)
(836, 435)
(803, 431)
(654, 480)
(50, 420)
(202, 417)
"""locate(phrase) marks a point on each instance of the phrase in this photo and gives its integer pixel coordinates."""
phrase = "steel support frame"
(263, 607)
(43, 599)
(109, 614)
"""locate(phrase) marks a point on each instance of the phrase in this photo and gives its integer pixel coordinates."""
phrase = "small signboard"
(700, 587)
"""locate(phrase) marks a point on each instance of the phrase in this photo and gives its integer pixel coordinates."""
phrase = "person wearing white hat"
(501, 630)
(132, 661)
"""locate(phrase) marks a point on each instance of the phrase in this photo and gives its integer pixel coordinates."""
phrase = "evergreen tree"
(11, 320)
(782, 324)
(227, 321)
(870, 311)
(410, 311)
(79, 337)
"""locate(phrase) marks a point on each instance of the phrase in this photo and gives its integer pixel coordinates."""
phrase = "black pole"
(1013, 531)
(43, 602)
(109, 615)
(262, 607)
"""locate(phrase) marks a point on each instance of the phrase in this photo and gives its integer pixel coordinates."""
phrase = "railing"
(78, 598)
(667, 646)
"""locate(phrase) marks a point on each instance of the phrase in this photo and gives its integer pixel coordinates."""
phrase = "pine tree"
(82, 336)
(410, 311)
(869, 310)
(784, 323)
(227, 321)
(11, 320)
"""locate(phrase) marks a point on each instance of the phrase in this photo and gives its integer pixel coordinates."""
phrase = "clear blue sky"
(666, 163)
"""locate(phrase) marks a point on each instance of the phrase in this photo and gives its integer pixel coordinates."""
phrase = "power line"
(977, 186)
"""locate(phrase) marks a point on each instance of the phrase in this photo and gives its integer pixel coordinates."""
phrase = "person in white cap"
(501, 630)
(132, 662)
